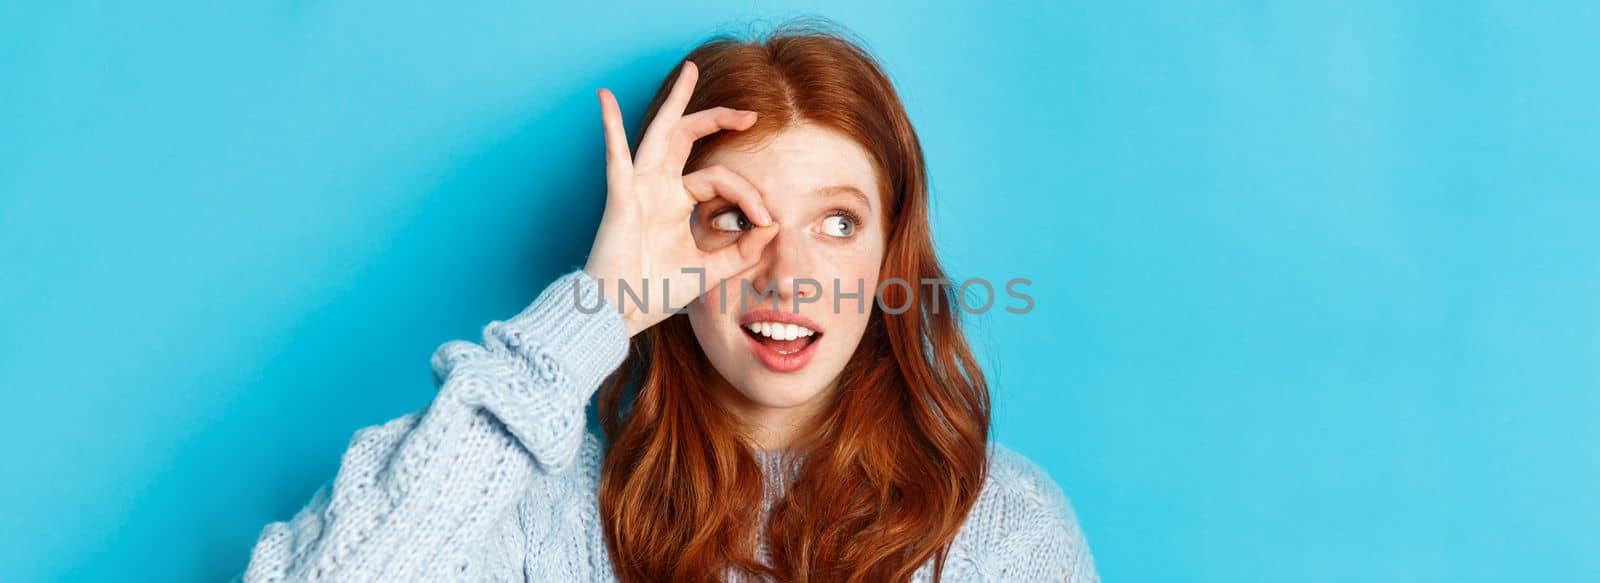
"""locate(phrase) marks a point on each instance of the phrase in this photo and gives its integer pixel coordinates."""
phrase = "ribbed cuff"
(577, 326)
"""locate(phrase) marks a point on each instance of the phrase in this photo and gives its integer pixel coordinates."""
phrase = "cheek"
(703, 312)
(854, 272)
(713, 318)
(712, 334)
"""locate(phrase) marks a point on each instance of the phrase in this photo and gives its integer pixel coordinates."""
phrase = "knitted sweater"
(497, 478)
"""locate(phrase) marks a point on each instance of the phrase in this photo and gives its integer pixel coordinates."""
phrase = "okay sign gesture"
(644, 237)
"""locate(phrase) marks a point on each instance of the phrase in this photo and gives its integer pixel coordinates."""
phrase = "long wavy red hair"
(889, 472)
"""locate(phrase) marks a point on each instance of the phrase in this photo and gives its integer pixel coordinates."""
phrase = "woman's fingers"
(699, 125)
(734, 259)
(619, 162)
(653, 144)
(718, 181)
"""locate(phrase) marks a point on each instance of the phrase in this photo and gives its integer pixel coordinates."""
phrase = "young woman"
(788, 419)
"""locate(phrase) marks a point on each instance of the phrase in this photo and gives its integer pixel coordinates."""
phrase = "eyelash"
(855, 219)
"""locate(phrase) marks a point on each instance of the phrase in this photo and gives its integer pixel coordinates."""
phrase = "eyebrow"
(847, 190)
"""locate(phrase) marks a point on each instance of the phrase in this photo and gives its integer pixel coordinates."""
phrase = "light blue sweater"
(497, 478)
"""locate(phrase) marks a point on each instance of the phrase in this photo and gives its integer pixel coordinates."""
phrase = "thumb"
(736, 258)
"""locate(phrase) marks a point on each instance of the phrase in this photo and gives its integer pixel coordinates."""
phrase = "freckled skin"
(789, 169)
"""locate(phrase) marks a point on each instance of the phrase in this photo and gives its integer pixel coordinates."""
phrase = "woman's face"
(821, 270)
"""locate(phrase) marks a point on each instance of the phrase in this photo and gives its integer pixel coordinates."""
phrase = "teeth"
(780, 330)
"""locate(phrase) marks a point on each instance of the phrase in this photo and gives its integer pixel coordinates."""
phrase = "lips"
(782, 342)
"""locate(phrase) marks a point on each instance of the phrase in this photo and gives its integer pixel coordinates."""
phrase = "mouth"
(782, 342)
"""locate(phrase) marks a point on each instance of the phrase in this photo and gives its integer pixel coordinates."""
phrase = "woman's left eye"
(730, 220)
(839, 226)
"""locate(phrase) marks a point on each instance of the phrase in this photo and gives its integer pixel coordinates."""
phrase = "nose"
(787, 268)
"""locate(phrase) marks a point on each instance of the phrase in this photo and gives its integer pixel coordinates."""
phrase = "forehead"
(801, 160)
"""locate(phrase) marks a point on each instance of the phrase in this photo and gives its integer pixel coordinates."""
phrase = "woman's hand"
(644, 236)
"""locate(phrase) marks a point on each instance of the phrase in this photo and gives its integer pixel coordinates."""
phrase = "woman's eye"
(730, 220)
(839, 226)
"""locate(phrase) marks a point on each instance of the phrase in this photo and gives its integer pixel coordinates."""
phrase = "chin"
(770, 391)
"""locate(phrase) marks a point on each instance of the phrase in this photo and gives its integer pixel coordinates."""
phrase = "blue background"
(1316, 286)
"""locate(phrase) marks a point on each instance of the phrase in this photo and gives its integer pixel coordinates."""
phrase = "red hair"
(891, 468)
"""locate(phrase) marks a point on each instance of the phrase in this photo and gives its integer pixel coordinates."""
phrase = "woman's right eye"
(731, 220)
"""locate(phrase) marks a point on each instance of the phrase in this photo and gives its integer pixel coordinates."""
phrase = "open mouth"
(783, 342)
(784, 339)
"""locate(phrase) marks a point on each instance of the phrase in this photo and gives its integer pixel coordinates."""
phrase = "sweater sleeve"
(416, 497)
(1039, 538)
(1057, 551)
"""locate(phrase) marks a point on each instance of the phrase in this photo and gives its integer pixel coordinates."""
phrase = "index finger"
(719, 181)
(698, 125)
